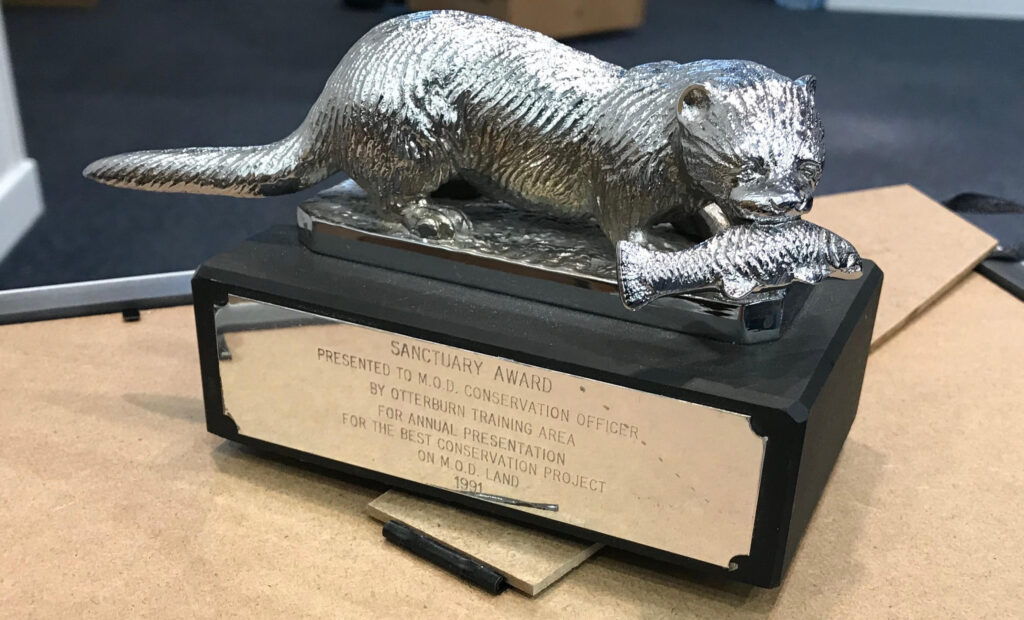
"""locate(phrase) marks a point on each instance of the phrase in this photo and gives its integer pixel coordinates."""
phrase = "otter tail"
(282, 167)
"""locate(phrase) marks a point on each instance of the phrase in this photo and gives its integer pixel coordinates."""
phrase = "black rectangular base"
(797, 395)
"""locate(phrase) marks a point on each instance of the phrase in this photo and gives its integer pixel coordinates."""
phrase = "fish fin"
(736, 287)
(809, 274)
(634, 289)
(850, 273)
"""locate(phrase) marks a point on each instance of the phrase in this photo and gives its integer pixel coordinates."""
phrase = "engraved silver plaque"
(665, 473)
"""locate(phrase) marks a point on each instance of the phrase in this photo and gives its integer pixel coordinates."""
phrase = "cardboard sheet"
(555, 18)
(529, 558)
(922, 247)
(115, 499)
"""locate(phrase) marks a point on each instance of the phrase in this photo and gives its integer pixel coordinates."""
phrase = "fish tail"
(635, 287)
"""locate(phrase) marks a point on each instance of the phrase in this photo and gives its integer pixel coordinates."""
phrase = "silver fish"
(737, 261)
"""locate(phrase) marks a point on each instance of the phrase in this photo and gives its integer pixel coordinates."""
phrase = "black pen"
(444, 556)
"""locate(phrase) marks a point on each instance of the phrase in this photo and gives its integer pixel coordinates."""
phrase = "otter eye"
(754, 168)
(809, 169)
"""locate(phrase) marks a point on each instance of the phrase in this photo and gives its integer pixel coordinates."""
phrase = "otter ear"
(809, 83)
(694, 100)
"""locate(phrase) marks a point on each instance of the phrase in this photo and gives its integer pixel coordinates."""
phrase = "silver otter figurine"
(437, 97)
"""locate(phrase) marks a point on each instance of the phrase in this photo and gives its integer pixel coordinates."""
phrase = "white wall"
(1006, 9)
(21, 200)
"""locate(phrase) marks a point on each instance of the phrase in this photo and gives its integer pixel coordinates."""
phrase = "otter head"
(752, 139)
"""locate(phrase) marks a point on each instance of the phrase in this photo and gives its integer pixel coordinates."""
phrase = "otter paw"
(435, 222)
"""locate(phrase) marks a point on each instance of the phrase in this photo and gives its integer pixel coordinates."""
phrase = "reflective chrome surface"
(548, 259)
(570, 251)
(740, 260)
(662, 472)
(430, 97)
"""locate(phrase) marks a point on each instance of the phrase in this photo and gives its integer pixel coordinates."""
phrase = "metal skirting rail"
(95, 297)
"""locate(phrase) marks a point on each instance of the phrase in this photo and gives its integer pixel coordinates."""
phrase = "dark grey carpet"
(929, 101)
